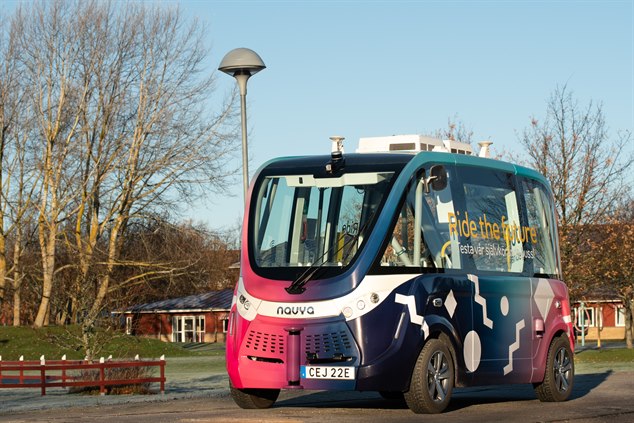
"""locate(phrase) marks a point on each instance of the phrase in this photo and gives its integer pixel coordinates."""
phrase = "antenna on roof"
(336, 156)
(337, 143)
(484, 149)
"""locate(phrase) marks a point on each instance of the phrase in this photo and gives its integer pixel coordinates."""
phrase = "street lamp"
(242, 63)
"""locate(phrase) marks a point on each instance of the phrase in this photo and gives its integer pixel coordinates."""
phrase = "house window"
(225, 325)
(200, 328)
(128, 325)
(589, 317)
(620, 316)
(188, 328)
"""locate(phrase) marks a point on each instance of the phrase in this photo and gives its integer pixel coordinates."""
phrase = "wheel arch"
(541, 355)
(558, 380)
(441, 328)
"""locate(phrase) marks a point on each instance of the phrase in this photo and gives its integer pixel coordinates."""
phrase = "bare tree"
(456, 130)
(614, 259)
(122, 125)
(587, 168)
(170, 145)
(22, 214)
(9, 108)
(605, 262)
(573, 149)
(613, 265)
(50, 54)
(185, 259)
(17, 173)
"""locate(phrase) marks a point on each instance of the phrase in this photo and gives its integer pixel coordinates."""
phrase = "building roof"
(213, 300)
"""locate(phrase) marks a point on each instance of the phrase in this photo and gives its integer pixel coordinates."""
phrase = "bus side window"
(421, 236)
(543, 233)
(401, 246)
(491, 222)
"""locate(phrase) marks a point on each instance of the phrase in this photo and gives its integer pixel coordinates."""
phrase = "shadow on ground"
(462, 397)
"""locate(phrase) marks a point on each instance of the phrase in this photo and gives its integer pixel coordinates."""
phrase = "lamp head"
(241, 61)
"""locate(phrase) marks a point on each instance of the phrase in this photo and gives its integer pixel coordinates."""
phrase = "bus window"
(400, 250)
(496, 233)
(491, 219)
(421, 236)
(303, 221)
(272, 235)
(539, 210)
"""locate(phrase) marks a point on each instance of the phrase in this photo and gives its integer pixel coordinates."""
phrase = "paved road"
(597, 397)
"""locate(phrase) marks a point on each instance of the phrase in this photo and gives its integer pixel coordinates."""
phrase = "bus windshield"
(302, 220)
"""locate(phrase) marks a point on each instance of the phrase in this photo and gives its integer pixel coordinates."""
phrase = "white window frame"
(592, 312)
(619, 315)
(198, 328)
(128, 325)
(225, 325)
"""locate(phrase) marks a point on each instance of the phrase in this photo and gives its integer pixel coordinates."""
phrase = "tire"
(432, 379)
(560, 371)
(254, 398)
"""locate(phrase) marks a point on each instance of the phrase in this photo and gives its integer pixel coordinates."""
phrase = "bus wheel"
(560, 370)
(432, 379)
(254, 398)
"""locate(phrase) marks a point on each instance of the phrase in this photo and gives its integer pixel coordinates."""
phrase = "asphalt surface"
(597, 397)
(602, 393)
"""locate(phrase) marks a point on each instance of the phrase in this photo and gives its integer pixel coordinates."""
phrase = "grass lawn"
(605, 359)
(621, 355)
(55, 341)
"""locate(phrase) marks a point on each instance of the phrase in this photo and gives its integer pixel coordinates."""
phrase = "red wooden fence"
(54, 373)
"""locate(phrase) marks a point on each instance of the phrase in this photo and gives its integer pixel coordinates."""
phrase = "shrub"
(116, 373)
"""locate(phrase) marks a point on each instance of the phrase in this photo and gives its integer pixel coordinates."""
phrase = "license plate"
(327, 372)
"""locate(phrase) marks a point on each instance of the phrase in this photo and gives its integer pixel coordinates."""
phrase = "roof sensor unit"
(412, 144)
(336, 155)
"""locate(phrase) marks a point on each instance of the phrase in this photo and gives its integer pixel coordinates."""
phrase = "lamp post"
(242, 63)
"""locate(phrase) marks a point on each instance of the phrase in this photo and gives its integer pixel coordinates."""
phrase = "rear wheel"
(254, 398)
(432, 379)
(560, 370)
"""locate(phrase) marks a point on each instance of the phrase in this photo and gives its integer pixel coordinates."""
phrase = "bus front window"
(305, 221)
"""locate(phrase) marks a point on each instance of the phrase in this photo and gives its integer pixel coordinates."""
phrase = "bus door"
(422, 242)
(493, 234)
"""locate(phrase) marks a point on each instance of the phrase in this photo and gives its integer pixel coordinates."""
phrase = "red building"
(600, 317)
(196, 318)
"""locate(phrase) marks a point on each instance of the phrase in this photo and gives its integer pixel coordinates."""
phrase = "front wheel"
(432, 379)
(560, 371)
(254, 398)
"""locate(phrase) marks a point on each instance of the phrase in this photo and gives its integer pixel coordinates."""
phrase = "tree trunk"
(48, 259)
(104, 280)
(17, 299)
(629, 322)
(17, 277)
(3, 265)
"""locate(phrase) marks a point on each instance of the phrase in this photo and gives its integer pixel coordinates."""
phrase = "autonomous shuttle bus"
(409, 268)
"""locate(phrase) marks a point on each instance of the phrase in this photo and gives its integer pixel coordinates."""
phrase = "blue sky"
(373, 68)
(361, 68)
